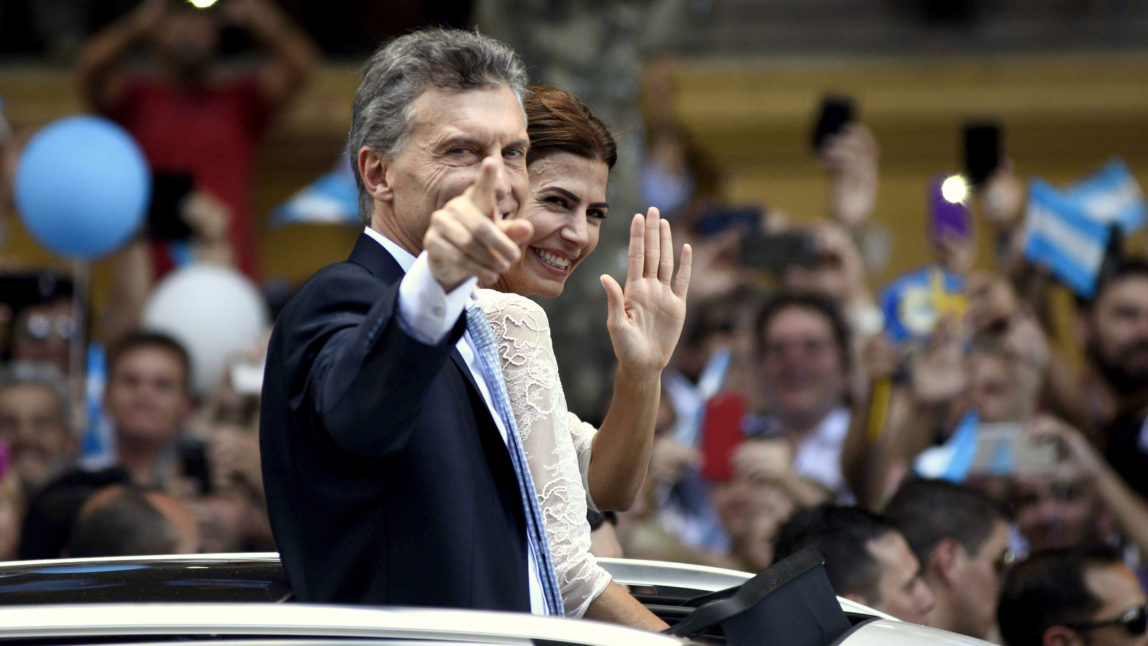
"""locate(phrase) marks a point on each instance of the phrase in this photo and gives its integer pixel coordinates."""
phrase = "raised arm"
(645, 321)
(100, 64)
(1129, 508)
(293, 55)
(374, 362)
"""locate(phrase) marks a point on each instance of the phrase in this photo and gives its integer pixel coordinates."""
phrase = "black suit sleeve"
(369, 379)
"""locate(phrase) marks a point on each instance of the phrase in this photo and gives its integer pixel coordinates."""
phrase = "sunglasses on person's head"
(1133, 620)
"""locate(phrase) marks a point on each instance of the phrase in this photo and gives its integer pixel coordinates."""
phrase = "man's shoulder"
(334, 298)
(339, 281)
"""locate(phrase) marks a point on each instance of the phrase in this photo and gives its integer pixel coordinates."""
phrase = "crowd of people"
(789, 414)
(791, 420)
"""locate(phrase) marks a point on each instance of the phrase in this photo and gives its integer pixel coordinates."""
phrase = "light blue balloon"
(82, 186)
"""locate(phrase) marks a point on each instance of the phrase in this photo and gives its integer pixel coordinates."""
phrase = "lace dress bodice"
(556, 442)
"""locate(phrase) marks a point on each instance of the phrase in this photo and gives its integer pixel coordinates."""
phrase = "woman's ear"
(373, 169)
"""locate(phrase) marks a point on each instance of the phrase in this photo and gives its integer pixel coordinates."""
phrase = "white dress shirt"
(427, 313)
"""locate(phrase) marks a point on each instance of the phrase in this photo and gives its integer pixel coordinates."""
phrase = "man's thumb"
(519, 231)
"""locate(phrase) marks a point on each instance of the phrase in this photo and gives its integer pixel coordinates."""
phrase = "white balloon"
(213, 311)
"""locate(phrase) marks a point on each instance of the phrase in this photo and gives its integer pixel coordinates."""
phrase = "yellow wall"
(1062, 116)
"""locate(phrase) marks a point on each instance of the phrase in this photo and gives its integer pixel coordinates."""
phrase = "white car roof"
(304, 620)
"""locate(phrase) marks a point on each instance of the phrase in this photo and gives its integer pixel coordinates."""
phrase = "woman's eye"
(560, 202)
(596, 214)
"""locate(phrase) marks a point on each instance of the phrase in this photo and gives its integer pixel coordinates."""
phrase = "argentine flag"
(331, 199)
(1062, 237)
(1111, 196)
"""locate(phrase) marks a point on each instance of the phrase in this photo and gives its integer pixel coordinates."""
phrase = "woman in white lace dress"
(569, 160)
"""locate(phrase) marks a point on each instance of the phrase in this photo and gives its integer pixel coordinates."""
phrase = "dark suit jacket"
(387, 480)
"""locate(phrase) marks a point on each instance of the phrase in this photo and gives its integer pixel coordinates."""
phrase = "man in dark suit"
(387, 473)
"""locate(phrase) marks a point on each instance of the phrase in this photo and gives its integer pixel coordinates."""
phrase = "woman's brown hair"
(558, 121)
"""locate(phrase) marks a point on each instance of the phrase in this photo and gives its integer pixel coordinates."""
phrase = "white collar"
(401, 256)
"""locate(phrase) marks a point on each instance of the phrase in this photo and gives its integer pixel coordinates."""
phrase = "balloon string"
(77, 350)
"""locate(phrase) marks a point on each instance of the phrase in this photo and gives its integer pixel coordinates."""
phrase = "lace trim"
(557, 443)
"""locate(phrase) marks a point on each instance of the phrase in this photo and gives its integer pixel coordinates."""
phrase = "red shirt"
(211, 133)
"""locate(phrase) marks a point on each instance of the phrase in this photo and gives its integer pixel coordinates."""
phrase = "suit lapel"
(373, 257)
(460, 363)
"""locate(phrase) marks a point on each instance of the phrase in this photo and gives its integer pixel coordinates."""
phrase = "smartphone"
(723, 218)
(947, 219)
(247, 377)
(982, 150)
(193, 461)
(1007, 449)
(774, 251)
(836, 112)
(721, 435)
(164, 219)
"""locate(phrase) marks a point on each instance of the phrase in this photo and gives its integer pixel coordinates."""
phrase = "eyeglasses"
(1134, 620)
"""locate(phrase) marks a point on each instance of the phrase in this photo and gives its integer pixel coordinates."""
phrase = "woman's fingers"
(682, 284)
(666, 266)
(615, 299)
(653, 243)
(636, 256)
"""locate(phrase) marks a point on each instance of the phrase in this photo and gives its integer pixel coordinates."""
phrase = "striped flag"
(1111, 196)
(1064, 238)
(331, 199)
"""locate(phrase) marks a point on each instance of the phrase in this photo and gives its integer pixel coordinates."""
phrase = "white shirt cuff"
(426, 311)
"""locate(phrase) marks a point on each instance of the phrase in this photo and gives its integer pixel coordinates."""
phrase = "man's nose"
(501, 182)
(1142, 325)
(26, 432)
(927, 601)
(1047, 510)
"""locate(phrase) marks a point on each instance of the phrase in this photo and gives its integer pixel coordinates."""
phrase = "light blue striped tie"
(483, 338)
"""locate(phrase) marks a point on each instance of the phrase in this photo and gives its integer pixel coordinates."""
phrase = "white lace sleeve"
(583, 435)
(532, 382)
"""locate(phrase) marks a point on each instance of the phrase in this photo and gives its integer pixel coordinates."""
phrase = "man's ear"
(1060, 636)
(947, 560)
(374, 169)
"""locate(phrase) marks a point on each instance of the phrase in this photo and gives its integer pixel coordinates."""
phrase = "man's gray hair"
(28, 373)
(399, 71)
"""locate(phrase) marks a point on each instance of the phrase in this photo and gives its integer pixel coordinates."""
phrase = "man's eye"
(514, 153)
(596, 214)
